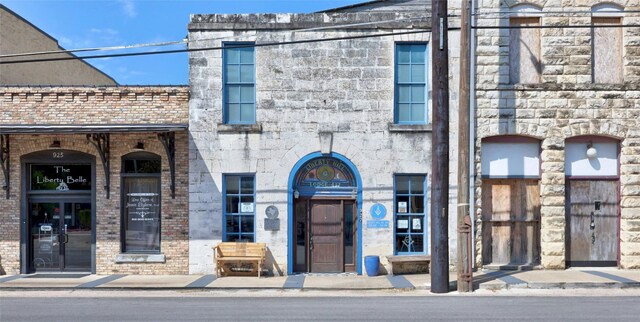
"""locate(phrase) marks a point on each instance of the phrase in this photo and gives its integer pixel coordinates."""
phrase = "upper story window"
(239, 87)
(606, 43)
(141, 203)
(239, 208)
(411, 84)
(524, 45)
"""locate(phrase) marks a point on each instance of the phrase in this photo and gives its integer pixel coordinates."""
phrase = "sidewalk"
(489, 280)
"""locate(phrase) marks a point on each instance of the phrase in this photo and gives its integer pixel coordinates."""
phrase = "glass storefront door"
(60, 235)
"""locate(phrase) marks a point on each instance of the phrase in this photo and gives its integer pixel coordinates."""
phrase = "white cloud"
(129, 8)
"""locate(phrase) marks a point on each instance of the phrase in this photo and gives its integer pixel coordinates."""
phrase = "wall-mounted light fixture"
(55, 145)
(296, 194)
(139, 146)
(592, 153)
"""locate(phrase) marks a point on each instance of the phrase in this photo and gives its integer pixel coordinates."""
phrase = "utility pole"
(464, 262)
(440, 149)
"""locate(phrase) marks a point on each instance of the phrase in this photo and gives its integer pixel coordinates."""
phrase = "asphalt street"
(269, 306)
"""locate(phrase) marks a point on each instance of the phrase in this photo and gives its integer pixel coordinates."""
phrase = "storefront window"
(141, 199)
(239, 214)
(410, 214)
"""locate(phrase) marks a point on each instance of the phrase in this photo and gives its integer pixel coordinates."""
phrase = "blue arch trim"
(290, 185)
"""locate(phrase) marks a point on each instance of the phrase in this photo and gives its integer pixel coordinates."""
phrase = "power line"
(557, 27)
(488, 12)
(292, 42)
(185, 41)
(167, 43)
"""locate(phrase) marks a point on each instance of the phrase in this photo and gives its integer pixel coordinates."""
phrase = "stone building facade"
(557, 131)
(82, 169)
(18, 35)
(319, 134)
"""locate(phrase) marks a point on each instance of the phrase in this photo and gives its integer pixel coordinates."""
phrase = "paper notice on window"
(416, 224)
(246, 207)
(403, 224)
(402, 206)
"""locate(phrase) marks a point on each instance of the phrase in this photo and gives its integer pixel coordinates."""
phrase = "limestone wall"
(343, 87)
(566, 103)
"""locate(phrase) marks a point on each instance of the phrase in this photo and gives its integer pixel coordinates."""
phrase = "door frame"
(307, 254)
(567, 215)
(61, 201)
(291, 201)
(536, 223)
(48, 157)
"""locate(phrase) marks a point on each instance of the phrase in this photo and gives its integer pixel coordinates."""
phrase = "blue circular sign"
(378, 211)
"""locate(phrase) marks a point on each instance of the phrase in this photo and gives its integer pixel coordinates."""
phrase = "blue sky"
(103, 23)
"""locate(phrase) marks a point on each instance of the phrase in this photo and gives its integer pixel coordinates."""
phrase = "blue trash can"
(372, 265)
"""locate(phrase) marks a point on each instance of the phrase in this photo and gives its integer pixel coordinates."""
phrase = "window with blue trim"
(411, 84)
(239, 76)
(410, 214)
(239, 208)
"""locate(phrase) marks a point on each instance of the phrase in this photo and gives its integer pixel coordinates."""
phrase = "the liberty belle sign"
(61, 177)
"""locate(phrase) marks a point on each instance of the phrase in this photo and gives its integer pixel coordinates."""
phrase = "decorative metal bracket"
(101, 142)
(4, 159)
(168, 140)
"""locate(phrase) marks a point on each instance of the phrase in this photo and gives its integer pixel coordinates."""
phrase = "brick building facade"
(560, 92)
(138, 130)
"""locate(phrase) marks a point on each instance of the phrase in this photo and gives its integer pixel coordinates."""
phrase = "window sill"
(140, 258)
(412, 128)
(239, 128)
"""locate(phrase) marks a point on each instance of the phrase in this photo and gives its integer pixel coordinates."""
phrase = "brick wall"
(166, 105)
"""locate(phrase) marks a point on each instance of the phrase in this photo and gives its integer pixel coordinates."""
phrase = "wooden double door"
(592, 222)
(510, 223)
(325, 236)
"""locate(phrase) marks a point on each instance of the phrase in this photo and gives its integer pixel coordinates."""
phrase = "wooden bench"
(409, 264)
(231, 257)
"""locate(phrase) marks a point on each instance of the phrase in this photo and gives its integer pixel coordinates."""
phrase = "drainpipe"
(472, 130)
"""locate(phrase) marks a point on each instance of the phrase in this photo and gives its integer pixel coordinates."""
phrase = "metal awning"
(89, 128)
(99, 136)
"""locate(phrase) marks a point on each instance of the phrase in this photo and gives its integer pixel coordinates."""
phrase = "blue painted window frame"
(249, 85)
(240, 235)
(410, 215)
(400, 83)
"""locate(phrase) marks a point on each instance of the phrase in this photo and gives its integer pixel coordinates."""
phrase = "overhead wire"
(333, 27)
(65, 51)
(186, 41)
(265, 44)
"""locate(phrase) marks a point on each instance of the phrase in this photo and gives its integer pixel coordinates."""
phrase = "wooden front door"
(592, 222)
(326, 237)
(511, 222)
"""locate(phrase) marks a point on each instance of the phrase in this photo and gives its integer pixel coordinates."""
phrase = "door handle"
(66, 237)
(311, 243)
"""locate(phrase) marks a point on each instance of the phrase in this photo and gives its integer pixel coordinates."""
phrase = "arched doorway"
(58, 212)
(510, 202)
(324, 227)
(592, 208)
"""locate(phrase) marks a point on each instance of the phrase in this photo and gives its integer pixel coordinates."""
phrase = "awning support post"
(101, 142)
(4, 159)
(168, 140)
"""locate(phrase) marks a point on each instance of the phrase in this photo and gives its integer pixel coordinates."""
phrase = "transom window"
(239, 206)
(239, 83)
(411, 84)
(410, 214)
